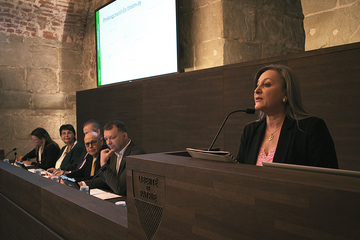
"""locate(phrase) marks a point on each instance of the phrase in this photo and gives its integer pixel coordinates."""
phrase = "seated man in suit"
(113, 159)
(94, 144)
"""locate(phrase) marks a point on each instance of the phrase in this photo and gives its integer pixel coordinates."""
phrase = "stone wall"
(47, 49)
(89, 46)
(41, 67)
(220, 32)
(331, 23)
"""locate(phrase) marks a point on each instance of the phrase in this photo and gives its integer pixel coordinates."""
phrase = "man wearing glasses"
(113, 159)
(93, 144)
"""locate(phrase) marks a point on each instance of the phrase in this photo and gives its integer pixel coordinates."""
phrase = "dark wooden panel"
(18, 224)
(330, 84)
(200, 107)
(159, 114)
(116, 102)
(48, 207)
(214, 200)
(170, 113)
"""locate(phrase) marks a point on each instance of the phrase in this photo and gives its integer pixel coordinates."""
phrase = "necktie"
(93, 168)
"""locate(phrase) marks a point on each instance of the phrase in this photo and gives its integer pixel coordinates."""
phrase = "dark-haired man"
(113, 159)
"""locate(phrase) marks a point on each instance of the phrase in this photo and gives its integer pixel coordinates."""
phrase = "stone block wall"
(47, 49)
(41, 67)
(331, 23)
(220, 32)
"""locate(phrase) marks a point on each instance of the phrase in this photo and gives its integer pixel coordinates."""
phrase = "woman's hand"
(27, 162)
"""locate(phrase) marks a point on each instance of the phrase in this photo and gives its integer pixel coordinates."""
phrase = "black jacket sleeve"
(49, 156)
(31, 154)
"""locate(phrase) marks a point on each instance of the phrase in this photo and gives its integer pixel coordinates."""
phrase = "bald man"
(93, 144)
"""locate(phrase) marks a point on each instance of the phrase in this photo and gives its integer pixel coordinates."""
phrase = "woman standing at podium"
(46, 151)
(285, 132)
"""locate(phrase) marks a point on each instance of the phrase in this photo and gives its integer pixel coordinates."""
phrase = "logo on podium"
(149, 198)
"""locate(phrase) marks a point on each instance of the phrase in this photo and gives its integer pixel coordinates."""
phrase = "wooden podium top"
(33, 207)
(173, 196)
(200, 199)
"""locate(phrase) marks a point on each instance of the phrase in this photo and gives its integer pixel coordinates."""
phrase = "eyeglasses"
(88, 144)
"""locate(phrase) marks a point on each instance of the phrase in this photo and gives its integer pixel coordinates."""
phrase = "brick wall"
(63, 21)
(41, 67)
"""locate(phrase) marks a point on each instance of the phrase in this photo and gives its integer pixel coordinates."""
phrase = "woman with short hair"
(72, 149)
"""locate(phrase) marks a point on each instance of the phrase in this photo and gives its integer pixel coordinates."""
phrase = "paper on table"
(102, 194)
(42, 171)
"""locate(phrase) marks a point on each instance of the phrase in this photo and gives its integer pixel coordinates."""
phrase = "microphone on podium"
(247, 111)
(222, 156)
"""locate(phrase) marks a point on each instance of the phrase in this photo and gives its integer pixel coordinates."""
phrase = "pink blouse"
(262, 157)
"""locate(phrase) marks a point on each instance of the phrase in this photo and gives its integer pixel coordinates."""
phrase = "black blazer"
(309, 144)
(48, 156)
(71, 156)
(74, 166)
(84, 172)
(111, 180)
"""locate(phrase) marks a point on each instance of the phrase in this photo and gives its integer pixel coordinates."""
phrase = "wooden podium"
(173, 196)
(33, 207)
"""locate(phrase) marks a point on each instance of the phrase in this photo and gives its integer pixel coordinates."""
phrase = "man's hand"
(54, 171)
(58, 173)
(105, 156)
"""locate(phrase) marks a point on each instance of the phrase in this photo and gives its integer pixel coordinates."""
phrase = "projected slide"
(136, 39)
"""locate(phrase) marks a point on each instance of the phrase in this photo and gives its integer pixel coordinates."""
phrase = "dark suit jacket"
(77, 162)
(71, 156)
(48, 156)
(84, 172)
(310, 145)
(111, 180)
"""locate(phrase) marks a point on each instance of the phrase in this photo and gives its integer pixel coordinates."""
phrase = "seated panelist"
(94, 144)
(46, 151)
(113, 159)
(89, 126)
(72, 149)
(285, 132)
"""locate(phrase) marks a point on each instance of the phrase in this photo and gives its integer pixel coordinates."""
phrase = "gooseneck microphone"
(63, 173)
(96, 174)
(10, 152)
(248, 111)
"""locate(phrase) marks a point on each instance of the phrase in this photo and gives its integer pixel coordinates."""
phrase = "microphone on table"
(97, 173)
(247, 111)
(63, 173)
(10, 152)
